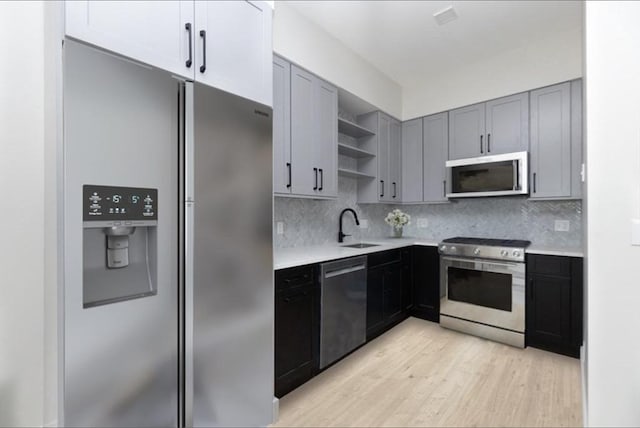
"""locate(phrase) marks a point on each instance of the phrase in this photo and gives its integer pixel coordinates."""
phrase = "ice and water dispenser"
(120, 249)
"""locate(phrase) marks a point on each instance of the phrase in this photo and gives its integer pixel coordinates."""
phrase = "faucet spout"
(342, 235)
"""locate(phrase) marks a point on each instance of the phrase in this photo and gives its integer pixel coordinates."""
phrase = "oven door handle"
(501, 265)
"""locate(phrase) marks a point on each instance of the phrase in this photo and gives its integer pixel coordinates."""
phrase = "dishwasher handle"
(343, 271)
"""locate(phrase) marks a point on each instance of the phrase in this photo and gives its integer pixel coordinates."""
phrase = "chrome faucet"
(340, 234)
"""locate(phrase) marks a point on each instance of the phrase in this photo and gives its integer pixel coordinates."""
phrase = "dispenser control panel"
(111, 203)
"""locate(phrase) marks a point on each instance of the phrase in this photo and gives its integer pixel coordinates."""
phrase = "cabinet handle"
(481, 151)
(321, 179)
(534, 182)
(444, 188)
(289, 168)
(187, 27)
(488, 143)
(394, 189)
(203, 67)
(382, 188)
(315, 172)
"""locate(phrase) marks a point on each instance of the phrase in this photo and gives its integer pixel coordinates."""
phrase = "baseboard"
(276, 409)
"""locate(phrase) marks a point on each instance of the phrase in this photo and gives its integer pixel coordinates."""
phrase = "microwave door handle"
(516, 171)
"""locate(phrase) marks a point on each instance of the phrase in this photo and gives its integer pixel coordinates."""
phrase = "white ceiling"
(403, 40)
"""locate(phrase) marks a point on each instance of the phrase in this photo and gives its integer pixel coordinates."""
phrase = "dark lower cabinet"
(426, 283)
(393, 293)
(296, 328)
(386, 290)
(407, 279)
(375, 300)
(554, 303)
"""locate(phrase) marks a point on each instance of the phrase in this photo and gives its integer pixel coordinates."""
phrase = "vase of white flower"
(397, 220)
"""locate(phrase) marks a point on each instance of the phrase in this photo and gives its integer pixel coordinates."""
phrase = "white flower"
(397, 218)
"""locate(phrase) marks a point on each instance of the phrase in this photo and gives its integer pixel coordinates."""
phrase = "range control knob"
(453, 249)
(516, 253)
(476, 251)
(443, 248)
(504, 253)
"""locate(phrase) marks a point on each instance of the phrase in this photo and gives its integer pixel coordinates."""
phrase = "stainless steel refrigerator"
(168, 263)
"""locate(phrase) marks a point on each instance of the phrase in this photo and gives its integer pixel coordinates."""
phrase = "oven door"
(484, 291)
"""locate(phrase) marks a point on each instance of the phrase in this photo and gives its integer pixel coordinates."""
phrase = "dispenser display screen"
(105, 203)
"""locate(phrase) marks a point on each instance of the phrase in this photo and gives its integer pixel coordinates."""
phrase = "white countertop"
(298, 256)
(551, 251)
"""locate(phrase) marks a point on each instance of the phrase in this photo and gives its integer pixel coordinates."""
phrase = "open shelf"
(353, 129)
(353, 152)
(353, 174)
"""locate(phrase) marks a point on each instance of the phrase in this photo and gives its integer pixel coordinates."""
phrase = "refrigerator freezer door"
(233, 292)
(120, 359)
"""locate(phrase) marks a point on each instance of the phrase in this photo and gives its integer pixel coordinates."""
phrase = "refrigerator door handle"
(189, 146)
(188, 261)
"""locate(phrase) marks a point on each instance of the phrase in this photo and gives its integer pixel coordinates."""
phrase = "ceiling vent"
(445, 15)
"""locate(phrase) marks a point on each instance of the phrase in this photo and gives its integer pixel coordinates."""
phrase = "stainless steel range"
(482, 288)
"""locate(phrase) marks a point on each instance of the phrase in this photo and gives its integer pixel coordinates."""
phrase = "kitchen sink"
(360, 245)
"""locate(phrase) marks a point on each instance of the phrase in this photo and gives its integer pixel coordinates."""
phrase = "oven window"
(489, 289)
(489, 177)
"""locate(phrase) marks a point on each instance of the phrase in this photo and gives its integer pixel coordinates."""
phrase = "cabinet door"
(507, 124)
(551, 142)
(435, 139)
(294, 320)
(407, 279)
(384, 140)
(234, 47)
(375, 300)
(466, 132)
(395, 161)
(325, 141)
(412, 161)
(548, 310)
(393, 293)
(304, 177)
(426, 283)
(281, 126)
(152, 32)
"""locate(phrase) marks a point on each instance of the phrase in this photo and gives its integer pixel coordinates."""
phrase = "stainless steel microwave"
(498, 175)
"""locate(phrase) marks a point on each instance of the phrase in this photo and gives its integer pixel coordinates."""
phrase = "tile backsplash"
(314, 222)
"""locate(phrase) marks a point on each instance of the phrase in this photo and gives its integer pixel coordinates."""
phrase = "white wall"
(554, 59)
(303, 42)
(22, 214)
(613, 130)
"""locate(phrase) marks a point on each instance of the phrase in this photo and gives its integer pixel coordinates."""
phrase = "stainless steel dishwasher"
(343, 308)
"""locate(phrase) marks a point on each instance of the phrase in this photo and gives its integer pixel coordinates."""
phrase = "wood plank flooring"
(419, 374)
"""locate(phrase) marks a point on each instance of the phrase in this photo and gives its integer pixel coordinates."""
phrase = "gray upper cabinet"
(507, 124)
(556, 141)
(395, 161)
(281, 126)
(386, 187)
(304, 172)
(412, 163)
(314, 138)
(491, 128)
(435, 139)
(384, 141)
(325, 137)
(466, 132)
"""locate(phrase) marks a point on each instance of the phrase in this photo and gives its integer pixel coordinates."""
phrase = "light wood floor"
(419, 374)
